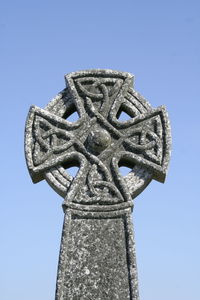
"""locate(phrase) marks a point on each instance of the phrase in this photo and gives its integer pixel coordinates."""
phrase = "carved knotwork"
(98, 142)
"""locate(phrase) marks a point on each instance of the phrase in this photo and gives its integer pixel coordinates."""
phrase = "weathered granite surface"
(97, 256)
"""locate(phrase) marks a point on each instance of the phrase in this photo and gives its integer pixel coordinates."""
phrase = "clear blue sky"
(159, 42)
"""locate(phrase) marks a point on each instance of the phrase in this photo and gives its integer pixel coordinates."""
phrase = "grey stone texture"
(97, 256)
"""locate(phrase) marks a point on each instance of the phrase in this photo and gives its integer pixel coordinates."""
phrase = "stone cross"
(97, 256)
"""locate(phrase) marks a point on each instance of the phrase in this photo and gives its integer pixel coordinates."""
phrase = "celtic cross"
(97, 255)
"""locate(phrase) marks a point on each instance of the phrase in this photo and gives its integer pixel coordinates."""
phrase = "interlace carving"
(98, 142)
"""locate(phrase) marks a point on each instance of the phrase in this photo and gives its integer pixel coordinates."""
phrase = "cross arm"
(147, 142)
(49, 141)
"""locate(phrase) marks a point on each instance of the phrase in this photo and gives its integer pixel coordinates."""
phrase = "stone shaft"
(97, 256)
